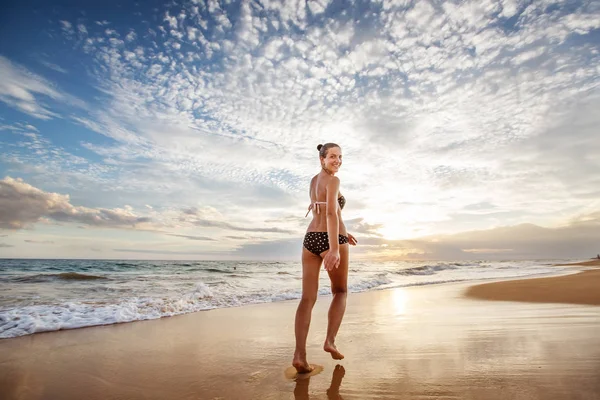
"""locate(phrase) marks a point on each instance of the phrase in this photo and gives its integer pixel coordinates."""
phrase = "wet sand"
(410, 343)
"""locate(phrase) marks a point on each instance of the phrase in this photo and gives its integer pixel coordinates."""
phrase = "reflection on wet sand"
(333, 393)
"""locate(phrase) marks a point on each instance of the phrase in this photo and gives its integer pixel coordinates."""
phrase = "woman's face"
(333, 159)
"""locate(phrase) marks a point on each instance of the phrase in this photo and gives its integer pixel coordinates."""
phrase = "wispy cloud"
(224, 225)
(67, 28)
(18, 89)
(30, 93)
(193, 237)
(53, 67)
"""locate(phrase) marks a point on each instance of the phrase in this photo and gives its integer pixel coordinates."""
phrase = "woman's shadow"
(333, 393)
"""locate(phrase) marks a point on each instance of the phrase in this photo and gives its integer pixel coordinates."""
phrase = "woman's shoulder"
(324, 180)
(333, 181)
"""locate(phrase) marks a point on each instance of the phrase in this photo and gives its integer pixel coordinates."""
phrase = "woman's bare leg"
(339, 289)
(311, 265)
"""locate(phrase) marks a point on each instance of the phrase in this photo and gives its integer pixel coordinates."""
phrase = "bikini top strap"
(315, 204)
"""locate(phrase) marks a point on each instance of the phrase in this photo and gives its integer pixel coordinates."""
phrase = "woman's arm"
(332, 258)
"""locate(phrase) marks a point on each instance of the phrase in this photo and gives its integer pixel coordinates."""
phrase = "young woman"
(326, 241)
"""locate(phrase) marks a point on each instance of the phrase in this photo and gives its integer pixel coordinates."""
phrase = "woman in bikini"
(326, 241)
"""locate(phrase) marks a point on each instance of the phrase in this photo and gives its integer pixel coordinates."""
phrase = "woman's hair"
(323, 148)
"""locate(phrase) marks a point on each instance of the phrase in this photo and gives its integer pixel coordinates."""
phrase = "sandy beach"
(580, 288)
(410, 343)
(591, 263)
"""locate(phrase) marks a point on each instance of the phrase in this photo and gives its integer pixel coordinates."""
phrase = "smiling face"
(333, 160)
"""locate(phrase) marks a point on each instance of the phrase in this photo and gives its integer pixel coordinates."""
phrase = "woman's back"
(318, 199)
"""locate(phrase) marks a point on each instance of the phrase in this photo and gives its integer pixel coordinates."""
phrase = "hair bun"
(319, 147)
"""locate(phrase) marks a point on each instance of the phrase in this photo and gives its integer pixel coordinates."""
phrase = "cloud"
(39, 241)
(18, 89)
(531, 241)
(5, 245)
(30, 153)
(67, 28)
(54, 67)
(358, 225)
(19, 127)
(205, 217)
(285, 249)
(524, 241)
(590, 219)
(26, 92)
(225, 225)
(82, 29)
(22, 205)
(193, 237)
(131, 36)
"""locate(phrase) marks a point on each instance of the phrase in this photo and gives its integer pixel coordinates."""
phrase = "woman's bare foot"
(331, 349)
(301, 365)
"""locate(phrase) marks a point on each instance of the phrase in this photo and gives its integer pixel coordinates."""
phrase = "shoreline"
(581, 288)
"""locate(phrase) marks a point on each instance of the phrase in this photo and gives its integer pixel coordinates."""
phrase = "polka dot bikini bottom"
(318, 242)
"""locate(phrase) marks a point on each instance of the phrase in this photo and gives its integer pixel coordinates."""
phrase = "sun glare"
(400, 300)
(395, 231)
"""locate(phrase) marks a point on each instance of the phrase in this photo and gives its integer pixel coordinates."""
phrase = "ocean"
(49, 295)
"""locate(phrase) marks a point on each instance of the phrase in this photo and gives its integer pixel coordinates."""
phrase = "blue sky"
(189, 129)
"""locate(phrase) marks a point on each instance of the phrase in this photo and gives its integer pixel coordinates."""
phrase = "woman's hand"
(352, 240)
(332, 260)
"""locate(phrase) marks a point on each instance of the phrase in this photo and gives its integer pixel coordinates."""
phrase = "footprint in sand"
(291, 373)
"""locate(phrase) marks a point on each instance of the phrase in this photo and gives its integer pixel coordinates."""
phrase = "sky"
(188, 129)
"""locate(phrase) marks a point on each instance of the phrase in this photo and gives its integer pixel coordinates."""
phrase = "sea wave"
(124, 264)
(25, 320)
(217, 270)
(426, 269)
(67, 276)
